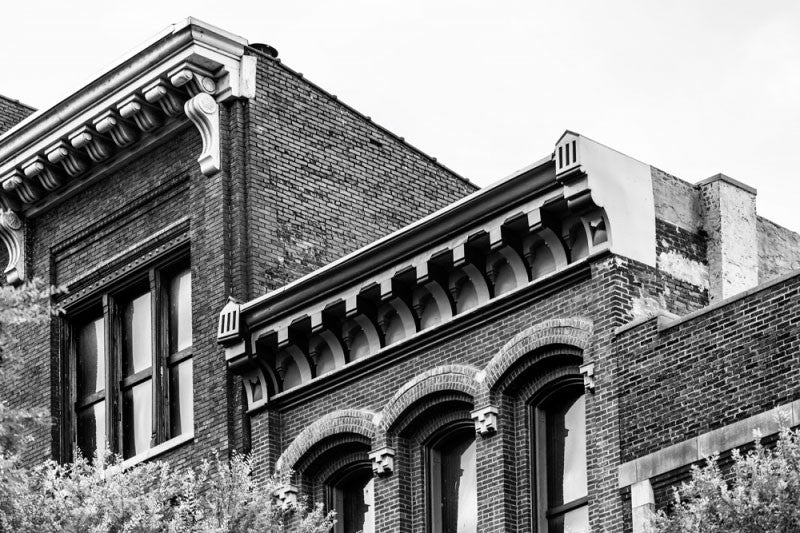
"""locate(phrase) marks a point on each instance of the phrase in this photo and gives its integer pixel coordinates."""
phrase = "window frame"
(107, 303)
(333, 489)
(433, 474)
(572, 387)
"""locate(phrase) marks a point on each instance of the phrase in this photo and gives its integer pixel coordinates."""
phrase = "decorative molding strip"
(698, 448)
(136, 256)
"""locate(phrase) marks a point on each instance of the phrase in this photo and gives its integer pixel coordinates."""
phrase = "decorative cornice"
(47, 153)
(182, 73)
(528, 240)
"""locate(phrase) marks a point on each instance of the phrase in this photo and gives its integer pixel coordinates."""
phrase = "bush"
(218, 497)
(762, 494)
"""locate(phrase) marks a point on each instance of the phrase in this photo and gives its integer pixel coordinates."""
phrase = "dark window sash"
(179, 357)
(90, 399)
(567, 507)
(135, 379)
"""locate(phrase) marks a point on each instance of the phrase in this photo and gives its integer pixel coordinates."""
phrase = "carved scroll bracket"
(203, 111)
(12, 233)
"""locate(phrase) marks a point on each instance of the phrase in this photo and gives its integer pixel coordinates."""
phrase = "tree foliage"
(220, 496)
(760, 494)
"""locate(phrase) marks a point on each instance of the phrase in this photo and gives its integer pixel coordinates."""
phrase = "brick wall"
(503, 460)
(12, 112)
(720, 367)
(323, 180)
(301, 185)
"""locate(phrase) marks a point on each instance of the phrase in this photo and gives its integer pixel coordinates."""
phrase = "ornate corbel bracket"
(203, 111)
(12, 233)
(144, 115)
(485, 420)
(16, 182)
(162, 93)
(382, 461)
(193, 79)
(63, 153)
(93, 143)
(122, 132)
(37, 167)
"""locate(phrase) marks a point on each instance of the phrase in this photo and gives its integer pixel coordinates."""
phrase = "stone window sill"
(155, 451)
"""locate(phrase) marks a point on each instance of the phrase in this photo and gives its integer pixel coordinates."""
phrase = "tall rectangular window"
(133, 364)
(90, 402)
(179, 362)
(561, 462)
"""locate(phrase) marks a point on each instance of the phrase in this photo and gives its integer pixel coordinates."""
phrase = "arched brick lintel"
(356, 421)
(576, 332)
(444, 378)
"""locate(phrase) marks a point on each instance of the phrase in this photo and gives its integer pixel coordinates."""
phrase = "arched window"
(352, 495)
(452, 482)
(560, 461)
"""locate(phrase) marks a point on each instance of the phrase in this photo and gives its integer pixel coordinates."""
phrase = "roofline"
(395, 247)
(116, 76)
(17, 102)
(383, 129)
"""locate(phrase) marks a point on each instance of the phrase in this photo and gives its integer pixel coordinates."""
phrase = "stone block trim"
(461, 378)
(576, 332)
(698, 448)
(355, 421)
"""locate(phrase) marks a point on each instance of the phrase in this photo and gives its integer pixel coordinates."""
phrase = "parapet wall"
(683, 377)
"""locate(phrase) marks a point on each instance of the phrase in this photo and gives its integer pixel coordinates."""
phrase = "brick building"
(547, 353)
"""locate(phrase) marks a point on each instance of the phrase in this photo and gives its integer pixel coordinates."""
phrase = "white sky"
(693, 87)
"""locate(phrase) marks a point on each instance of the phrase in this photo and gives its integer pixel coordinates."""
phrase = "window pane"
(91, 358)
(137, 335)
(575, 521)
(137, 418)
(180, 311)
(91, 429)
(181, 413)
(459, 490)
(566, 452)
(355, 503)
